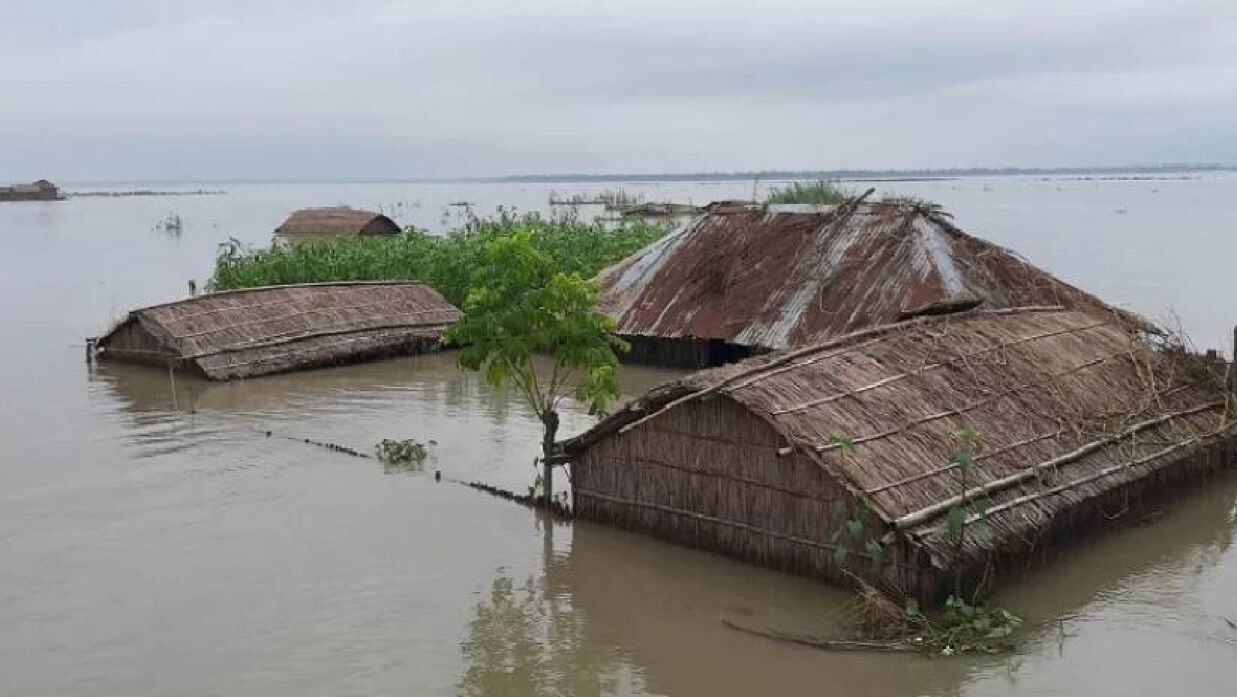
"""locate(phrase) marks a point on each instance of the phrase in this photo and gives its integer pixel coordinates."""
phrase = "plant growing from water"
(522, 305)
(450, 263)
(962, 627)
(965, 626)
(402, 454)
(819, 192)
(855, 528)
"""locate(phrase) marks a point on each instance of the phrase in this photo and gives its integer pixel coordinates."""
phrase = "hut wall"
(1105, 510)
(684, 352)
(381, 225)
(132, 343)
(707, 475)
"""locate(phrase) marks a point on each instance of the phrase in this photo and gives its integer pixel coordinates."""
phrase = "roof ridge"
(321, 284)
(785, 362)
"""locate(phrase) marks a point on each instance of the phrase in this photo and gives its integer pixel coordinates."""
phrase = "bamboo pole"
(291, 354)
(284, 339)
(946, 468)
(587, 493)
(626, 461)
(317, 310)
(1231, 378)
(929, 512)
(822, 643)
(786, 362)
(958, 411)
(933, 366)
(1107, 471)
(320, 284)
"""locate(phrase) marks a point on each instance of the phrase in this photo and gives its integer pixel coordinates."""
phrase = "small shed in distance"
(245, 333)
(745, 279)
(41, 190)
(320, 225)
(1082, 423)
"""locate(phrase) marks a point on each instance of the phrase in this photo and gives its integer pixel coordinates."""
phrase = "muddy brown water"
(155, 541)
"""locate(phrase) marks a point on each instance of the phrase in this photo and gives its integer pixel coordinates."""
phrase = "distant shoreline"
(1129, 172)
(878, 175)
(142, 192)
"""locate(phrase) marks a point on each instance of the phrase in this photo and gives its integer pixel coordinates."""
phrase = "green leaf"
(844, 443)
(955, 522)
(855, 528)
(837, 515)
(839, 556)
(876, 552)
(912, 607)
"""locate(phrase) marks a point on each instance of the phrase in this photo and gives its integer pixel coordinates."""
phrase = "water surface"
(154, 540)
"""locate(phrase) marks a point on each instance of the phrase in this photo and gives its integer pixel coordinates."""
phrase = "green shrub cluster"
(448, 262)
(820, 192)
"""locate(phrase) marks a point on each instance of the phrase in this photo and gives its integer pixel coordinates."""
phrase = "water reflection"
(523, 640)
(619, 613)
(481, 433)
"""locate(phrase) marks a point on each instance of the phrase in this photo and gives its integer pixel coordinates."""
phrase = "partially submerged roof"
(787, 275)
(244, 333)
(329, 223)
(1067, 406)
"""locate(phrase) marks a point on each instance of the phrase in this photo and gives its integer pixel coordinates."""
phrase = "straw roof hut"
(244, 333)
(41, 190)
(328, 224)
(742, 279)
(1079, 418)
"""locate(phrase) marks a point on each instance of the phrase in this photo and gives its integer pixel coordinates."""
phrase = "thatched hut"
(1081, 420)
(742, 280)
(245, 333)
(41, 190)
(328, 224)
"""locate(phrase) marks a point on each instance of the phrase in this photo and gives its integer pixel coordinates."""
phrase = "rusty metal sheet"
(789, 275)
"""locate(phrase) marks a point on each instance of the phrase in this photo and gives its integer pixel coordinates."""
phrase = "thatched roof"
(1067, 405)
(329, 223)
(252, 332)
(787, 275)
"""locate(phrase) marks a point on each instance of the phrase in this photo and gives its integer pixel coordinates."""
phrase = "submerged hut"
(245, 333)
(41, 190)
(329, 224)
(742, 279)
(1078, 422)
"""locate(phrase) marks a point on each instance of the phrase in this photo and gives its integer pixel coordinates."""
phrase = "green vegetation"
(609, 197)
(819, 192)
(963, 626)
(406, 454)
(522, 303)
(449, 263)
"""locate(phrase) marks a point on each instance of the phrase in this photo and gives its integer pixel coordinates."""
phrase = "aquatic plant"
(819, 192)
(962, 626)
(406, 453)
(609, 197)
(965, 626)
(450, 263)
(522, 304)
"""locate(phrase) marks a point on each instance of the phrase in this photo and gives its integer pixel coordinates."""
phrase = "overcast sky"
(134, 89)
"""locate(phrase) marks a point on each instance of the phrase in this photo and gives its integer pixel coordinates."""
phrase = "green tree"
(523, 305)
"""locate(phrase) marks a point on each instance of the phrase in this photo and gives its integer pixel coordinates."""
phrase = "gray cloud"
(278, 88)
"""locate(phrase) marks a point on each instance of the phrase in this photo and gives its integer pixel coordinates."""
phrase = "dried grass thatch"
(1078, 416)
(243, 333)
(326, 224)
(773, 277)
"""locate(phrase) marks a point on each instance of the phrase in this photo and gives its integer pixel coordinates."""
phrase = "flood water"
(155, 540)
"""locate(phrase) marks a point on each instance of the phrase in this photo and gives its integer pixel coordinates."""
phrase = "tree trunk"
(550, 421)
